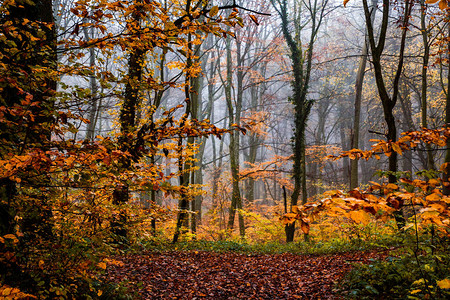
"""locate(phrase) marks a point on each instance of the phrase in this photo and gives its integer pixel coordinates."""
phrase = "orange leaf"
(392, 186)
(102, 265)
(214, 10)
(433, 197)
(360, 217)
(254, 19)
(396, 148)
(304, 226)
(6, 291)
(444, 283)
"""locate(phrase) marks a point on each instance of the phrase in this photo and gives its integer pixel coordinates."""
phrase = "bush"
(407, 277)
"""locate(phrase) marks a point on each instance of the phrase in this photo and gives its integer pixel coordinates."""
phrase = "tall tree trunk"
(358, 99)
(128, 124)
(94, 102)
(423, 96)
(196, 113)
(185, 174)
(301, 69)
(446, 173)
(388, 102)
(234, 117)
(30, 73)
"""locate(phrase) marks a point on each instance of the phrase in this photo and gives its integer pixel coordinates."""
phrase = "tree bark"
(358, 99)
(423, 97)
(446, 173)
(301, 69)
(37, 51)
(234, 118)
(388, 102)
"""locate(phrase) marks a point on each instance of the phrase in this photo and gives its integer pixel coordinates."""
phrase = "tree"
(234, 117)
(28, 70)
(301, 69)
(358, 98)
(388, 101)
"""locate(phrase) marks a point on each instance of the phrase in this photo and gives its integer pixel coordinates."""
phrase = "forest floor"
(230, 275)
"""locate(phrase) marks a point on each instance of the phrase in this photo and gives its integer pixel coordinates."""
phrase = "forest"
(224, 149)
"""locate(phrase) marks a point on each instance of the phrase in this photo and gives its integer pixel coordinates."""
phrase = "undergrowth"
(420, 270)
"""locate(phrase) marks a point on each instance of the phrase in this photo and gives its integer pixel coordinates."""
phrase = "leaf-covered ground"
(210, 275)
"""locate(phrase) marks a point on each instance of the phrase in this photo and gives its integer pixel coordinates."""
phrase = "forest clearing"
(224, 149)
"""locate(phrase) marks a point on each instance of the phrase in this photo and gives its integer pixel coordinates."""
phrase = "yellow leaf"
(396, 148)
(102, 265)
(360, 217)
(214, 10)
(444, 283)
(415, 291)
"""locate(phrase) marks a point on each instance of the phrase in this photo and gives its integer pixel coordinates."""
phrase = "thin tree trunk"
(423, 97)
(358, 99)
(446, 173)
(388, 102)
(234, 117)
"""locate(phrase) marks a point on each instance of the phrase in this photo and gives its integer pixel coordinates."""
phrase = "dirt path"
(209, 275)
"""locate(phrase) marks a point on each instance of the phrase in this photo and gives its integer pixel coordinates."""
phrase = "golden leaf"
(397, 148)
(304, 226)
(41, 264)
(444, 283)
(254, 19)
(439, 207)
(433, 197)
(6, 291)
(290, 215)
(433, 182)
(214, 10)
(102, 265)
(392, 186)
(11, 237)
(360, 217)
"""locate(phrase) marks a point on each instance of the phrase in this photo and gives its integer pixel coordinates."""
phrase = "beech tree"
(28, 58)
(293, 26)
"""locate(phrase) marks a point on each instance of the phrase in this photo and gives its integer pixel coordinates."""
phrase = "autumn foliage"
(79, 211)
